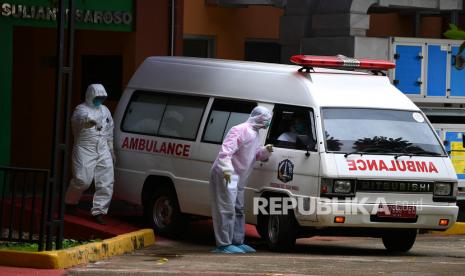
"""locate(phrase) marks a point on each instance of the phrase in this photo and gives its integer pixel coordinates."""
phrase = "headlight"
(342, 186)
(442, 189)
(337, 188)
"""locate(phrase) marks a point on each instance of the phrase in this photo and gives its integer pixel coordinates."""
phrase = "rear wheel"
(162, 212)
(399, 240)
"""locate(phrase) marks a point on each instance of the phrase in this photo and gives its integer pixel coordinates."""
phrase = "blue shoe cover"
(228, 249)
(246, 248)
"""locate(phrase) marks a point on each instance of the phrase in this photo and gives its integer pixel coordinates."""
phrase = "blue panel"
(408, 69)
(452, 137)
(457, 78)
(437, 67)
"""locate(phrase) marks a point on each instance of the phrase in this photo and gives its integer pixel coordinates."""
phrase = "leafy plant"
(31, 247)
(455, 33)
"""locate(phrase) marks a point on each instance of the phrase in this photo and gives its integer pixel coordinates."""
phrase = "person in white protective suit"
(93, 156)
(228, 178)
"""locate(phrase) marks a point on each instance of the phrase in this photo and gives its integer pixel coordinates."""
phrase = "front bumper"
(364, 215)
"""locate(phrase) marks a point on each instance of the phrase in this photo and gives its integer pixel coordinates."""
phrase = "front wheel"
(399, 240)
(162, 212)
(281, 232)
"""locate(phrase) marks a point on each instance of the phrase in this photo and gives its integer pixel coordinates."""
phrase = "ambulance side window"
(293, 128)
(144, 113)
(164, 115)
(223, 116)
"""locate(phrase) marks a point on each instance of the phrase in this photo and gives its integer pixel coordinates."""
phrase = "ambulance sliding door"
(222, 116)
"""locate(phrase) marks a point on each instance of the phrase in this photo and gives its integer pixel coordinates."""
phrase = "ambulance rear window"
(165, 115)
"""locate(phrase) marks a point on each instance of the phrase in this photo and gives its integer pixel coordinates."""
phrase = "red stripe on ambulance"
(153, 146)
(392, 166)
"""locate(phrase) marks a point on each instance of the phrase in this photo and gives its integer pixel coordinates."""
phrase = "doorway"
(33, 89)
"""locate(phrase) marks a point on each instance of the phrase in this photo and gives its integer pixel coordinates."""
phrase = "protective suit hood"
(93, 91)
(259, 117)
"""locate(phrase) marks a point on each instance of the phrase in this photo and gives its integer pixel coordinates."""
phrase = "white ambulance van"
(367, 163)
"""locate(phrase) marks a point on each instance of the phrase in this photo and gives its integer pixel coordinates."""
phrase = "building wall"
(33, 72)
(231, 26)
(402, 25)
(391, 24)
(433, 26)
(108, 43)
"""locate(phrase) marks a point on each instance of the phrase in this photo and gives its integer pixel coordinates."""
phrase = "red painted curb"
(14, 271)
(83, 227)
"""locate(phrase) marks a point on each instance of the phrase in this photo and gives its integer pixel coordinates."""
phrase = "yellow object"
(269, 147)
(82, 254)
(227, 177)
(457, 157)
(457, 229)
(162, 261)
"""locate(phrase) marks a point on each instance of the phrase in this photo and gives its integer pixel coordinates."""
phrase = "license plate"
(397, 211)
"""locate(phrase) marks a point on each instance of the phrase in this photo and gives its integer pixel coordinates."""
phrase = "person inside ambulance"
(296, 128)
(93, 156)
(228, 178)
(172, 123)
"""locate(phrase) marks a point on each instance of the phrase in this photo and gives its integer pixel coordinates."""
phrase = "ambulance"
(366, 163)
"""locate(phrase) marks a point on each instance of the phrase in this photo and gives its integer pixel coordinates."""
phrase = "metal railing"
(27, 207)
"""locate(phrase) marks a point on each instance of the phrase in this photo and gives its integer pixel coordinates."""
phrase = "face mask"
(266, 124)
(97, 102)
(299, 128)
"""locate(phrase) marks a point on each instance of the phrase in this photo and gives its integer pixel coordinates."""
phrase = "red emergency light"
(341, 61)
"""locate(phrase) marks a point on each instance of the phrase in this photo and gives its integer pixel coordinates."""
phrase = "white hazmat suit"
(228, 177)
(93, 155)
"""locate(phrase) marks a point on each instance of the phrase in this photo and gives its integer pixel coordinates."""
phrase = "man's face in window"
(299, 126)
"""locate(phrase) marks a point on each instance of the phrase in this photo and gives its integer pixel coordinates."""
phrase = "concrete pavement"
(431, 255)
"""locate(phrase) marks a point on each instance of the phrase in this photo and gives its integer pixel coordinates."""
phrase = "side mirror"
(306, 142)
(311, 144)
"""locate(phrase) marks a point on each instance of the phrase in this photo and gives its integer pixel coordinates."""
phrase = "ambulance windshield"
(379, 131)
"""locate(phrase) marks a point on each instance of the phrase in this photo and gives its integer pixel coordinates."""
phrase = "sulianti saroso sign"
(114, 15)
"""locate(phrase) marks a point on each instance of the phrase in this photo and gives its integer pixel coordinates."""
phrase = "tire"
(162, 213)
(399, 240)
(282, 232)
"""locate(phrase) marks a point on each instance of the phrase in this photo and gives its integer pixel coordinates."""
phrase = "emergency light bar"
(341, 61)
